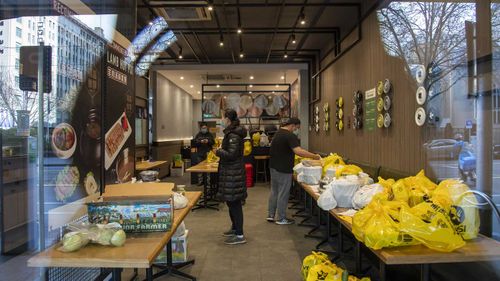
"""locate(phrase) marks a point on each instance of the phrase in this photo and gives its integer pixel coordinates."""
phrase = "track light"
(180, 53)
(239, 30)
(221, 41)
(241, 54)
(285, 55)
(251, 77)
(218, 86)
(293, 39)
(210, 7)
(250, 85)
(302, 19)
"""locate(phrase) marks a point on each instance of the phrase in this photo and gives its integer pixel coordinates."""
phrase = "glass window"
(19, 20)
(19, 32)
(18, 47)
(1, 42)
(1, 32)
(16, 81)
(17, 63)
(1, 23)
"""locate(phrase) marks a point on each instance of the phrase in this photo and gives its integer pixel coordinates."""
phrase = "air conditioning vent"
(184, 14)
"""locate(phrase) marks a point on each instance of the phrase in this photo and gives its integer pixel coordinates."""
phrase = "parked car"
(442, 149)
(496, 151)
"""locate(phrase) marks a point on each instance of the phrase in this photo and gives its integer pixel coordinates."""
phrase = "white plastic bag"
(181, 230)
(298, 168)
(326, 200)
(180, 201)
(343, 191)
(264, 140)
(312, 175)
(365, 194)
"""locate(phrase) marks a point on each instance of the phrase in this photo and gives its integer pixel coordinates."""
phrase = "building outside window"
(19, 32)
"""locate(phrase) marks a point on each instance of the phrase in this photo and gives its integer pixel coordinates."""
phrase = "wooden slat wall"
(400, 146)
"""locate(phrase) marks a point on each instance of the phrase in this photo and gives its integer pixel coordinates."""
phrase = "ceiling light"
(273, 92)
(251, 77)
(182, 77)
(210, 7)
(221, 44)
(277, 85)
(282, 77)
(221, 41)
(241, 54)
(293, 39)
(218, 86)
(250, 92)
(191, 86)
(239, 30)
(180, 53)
(150, 23)
(285, 55)
(251, 86)
(199, 92)
(302, 19)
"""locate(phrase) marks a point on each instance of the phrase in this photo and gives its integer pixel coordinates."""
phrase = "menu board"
(370, 110)
(119, 142)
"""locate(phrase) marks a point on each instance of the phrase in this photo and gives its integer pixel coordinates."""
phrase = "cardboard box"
(138, 191)
(179, 250)
(177, 171)
(135, 216)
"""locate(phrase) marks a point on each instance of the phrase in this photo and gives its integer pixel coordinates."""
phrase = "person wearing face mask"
(203, 141)
(232, 176)
(284, 146)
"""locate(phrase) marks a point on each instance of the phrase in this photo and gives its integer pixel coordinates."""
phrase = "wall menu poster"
(73, 163)
(370, 110)
(119, 142)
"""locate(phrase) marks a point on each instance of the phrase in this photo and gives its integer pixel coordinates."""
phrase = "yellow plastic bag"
(461, 206)
(256, 139)
(377, 228)
(331, 161)
(421, 182)
(247, 148)
(326, 271)
(211, 157)
(311, 260)
(400, 191)
(430, 224)
(348, 170)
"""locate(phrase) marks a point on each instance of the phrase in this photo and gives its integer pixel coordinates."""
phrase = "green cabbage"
(118, 238)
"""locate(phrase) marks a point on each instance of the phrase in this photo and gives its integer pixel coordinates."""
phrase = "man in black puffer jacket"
(232, 179)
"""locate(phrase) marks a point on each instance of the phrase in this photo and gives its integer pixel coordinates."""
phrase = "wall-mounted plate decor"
(387, 120)
(380, 120)
(420, 116)
(387, 103)
(387, 86)
(380, 104)
(420, 74)
(421, 95)
(380, 88)
(357, 97)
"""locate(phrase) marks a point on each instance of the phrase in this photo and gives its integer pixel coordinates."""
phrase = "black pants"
(236, 214)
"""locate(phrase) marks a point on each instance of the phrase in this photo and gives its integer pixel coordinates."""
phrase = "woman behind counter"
(232, 187)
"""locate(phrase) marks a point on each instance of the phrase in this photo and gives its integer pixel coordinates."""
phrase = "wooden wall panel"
(400, 146)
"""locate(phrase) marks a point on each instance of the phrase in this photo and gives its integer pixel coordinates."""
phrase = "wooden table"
(148, 165)
(139, 251)
(479, 249)
(206, 169)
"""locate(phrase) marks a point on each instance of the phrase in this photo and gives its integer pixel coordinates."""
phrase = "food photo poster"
(119, 140)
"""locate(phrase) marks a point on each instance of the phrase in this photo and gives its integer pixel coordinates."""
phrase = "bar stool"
(261, 162)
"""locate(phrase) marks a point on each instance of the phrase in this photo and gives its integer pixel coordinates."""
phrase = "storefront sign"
(370, 109)
(468, 124)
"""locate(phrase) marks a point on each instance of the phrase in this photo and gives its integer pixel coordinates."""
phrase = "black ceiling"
(267, 28)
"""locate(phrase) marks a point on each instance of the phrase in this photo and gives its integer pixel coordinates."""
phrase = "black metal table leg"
(382, 271)
(149, 274)
(425, 270)
(116, 274)
(357, 255)
(170, 268)
(203, 203)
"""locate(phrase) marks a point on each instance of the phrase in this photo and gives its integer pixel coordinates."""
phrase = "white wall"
(196, 115)
(173, 111)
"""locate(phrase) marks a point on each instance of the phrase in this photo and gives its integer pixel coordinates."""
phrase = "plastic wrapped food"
(83, 233)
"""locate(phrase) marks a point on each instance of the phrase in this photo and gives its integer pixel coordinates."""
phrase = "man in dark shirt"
(284, 146)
